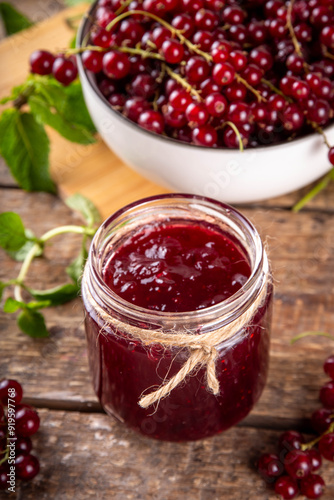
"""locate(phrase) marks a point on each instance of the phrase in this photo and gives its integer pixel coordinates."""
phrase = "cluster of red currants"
(294, 469)
(63, 68)
(17, 425)
(213, 72)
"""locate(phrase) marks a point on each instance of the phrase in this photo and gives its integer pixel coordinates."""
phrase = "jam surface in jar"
(168, 267)
(177, 268)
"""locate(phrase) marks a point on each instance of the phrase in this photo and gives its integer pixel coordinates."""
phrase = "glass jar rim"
(235, 303)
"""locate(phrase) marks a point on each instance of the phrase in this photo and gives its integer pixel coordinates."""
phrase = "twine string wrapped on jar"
(202, 347)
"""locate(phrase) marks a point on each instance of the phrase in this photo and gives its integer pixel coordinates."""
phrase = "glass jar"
(124, 368)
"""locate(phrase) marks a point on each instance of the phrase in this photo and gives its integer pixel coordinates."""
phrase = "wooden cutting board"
(92, 170)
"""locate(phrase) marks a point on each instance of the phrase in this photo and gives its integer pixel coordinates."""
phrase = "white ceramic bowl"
(227, 175)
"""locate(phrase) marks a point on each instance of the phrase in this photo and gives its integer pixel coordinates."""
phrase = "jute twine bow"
(202, 347)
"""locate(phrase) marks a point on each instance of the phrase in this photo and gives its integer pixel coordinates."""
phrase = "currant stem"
(36, 248)
(237, 133)
(249, 87)
(143, 53)
(314, 191)
(309, 445)
(124, 5)
(275, 89)
(309, 334)
(182, 82)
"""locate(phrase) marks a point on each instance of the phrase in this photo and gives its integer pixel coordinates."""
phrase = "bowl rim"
(88, 76)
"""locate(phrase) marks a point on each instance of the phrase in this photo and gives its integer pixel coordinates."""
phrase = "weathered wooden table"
(85, 454)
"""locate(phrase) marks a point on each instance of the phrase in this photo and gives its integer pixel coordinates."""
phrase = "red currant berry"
(159, 35)
(312, 486)
(4, 473)
(327, 395)
(220, 52)
(92, 60)
(206, 20)
(209, 86)
(64, 70)
(27, 421)
(233, 15)
(270, 466)
(152, 121)
(134, 107)
(329, 363)
(326, 446)
(286, 487)
(185, 23)
(101, 38)
(259, 113)
(298, 464)
(300, 90)
(174, 117)
(223, 73)
(216, 104)
(197, 69)
(205, 135)
(321, 420)
(10, 389)
(252, 74)
(262, 58)
(117, 101)
(192, 6)
(290, 440)
(23, 445)
(197, 114)
(293, 117)
(204, 40)
(316, 459)
(27, 467)
(41, 62)
(238, 59)
(143, 85)
(130, 31)
(180, 99)
(327, 36)
(107, 87)
(173, 51)
(320, 113)
(258, 32)
(104, 16)
(116, 65)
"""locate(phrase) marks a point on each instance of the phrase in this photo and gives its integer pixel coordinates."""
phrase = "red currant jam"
(177, 267)
(186, 272)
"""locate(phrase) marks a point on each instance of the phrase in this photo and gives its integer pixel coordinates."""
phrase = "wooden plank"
(92, 456)
(301, 249)
(93, 170)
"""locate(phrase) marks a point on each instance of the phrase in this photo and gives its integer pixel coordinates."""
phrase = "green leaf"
(75, 108)
(11, 305)
(32, 323)
(12, 232)
(75, 269)
(70, 3)
(13, 20)
(51, 116)
(86, 207)
(58, 295)
(20, 254)
(25, 147)
(73, 42)
(2, 287)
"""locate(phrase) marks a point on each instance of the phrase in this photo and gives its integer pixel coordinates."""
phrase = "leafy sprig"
(21, 244)
(24, 143)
